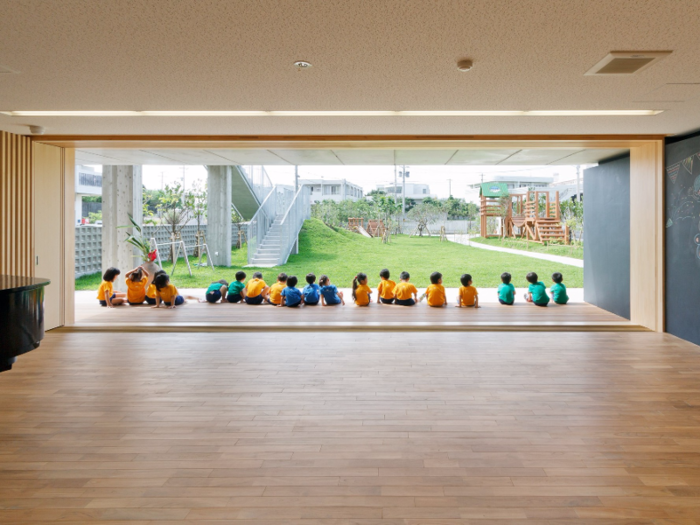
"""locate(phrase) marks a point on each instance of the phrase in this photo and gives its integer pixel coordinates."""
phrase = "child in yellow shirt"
(468, 296)
(256, 290)
(106, 294)
(151, 289)
(406, 294)
(274, 296)
(166, 292)
(385, 289)
(136, 281)
(436, 291)
(361, 293)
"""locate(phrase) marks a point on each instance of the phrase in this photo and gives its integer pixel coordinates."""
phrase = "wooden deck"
(406, 429)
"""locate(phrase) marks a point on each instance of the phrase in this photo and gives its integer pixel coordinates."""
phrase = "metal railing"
(273, 206)
(258, 180)
(299, 210)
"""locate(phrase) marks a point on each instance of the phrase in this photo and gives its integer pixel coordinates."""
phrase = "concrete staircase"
(268, 253)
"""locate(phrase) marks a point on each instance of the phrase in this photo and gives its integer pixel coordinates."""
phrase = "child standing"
(166, 292)
(330, 296)
(536, 292)
(136, 281)
(291, 295)
(106, 294)
(312, 291)
(406, 294)
(274, 296)
(216, 291)
(506, 291)
(436, 291)
(558, 290)
(361, 293)
(256, 289)
(236, 291)
(385, 288)
(468, 295)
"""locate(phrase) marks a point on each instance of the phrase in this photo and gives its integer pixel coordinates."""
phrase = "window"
(425, 191)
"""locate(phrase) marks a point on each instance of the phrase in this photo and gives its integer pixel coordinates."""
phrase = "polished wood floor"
(352, 428)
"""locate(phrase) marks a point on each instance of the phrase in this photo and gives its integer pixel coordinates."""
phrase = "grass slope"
(342, 254)
(573, 251)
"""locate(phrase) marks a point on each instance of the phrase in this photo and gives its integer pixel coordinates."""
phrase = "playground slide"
(364, 232)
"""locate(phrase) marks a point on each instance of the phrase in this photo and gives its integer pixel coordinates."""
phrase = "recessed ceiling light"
(465, 65)
(302, 64)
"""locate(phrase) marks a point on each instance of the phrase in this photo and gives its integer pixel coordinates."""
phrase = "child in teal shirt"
(536, 292)
(506, 291)
(236, 291)
(558, 290)
(216, 291)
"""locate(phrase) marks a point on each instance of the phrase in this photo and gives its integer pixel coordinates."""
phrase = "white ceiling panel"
(365, 157)
(248, 157)
(190, 156)
(308, 157)
(540, 156)
(430, 157)
(589, 156)
(481, 157)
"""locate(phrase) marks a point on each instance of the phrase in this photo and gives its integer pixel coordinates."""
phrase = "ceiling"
(366, 55)
(349, 156)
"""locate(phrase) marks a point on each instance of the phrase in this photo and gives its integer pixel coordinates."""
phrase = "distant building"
(514, 181)
(87, 184)
(414, 190)
(332, 189)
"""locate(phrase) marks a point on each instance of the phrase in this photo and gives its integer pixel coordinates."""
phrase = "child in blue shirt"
(536, 292)
(506, 291)
(329, 293)
(312, 291)
(558, 290)
(291, 295)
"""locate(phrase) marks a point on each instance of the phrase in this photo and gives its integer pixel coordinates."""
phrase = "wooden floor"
(349, 428)
(201, 316)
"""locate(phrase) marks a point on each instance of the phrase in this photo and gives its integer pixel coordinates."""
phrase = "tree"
(196, 203)
(237, 221)
(425, 214)
(173, 213)
(572, 215)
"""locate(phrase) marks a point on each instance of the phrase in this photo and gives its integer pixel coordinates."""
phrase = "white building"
(515, 181)
(332, 189)
(87, 184)
(414, 190)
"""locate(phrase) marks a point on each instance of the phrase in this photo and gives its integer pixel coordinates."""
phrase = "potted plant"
(147, 254)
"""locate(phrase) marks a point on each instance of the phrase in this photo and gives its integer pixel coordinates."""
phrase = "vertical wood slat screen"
(16, 205)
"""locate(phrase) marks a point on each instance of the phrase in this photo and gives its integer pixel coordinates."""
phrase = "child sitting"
(435, 293)
(330, 296)
(166, 292)
(506, 291)
(312, 291)
(216, 291)
(361, 293)
(106, 294)
(151, 291)
(558, 290)
(468, 296)
(136, 281)
(291, 295)
(536, 292)
(404, 290)
(385, 289)
(236, 291)
(256, 289)
(274, 295)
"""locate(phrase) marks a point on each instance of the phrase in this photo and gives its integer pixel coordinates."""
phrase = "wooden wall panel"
(16, 205)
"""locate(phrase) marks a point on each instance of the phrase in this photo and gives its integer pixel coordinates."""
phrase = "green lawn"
(341, 254)
(573, 251)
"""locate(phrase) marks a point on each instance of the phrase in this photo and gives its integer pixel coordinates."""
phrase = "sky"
(440, 178)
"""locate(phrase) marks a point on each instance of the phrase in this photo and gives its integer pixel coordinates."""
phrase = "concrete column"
(122, 195)
(219, 214)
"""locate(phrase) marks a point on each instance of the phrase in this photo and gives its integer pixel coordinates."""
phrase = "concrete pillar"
(219, 214)
(122, 195)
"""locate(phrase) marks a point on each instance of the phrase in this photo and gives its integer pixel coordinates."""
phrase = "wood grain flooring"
(352, 428)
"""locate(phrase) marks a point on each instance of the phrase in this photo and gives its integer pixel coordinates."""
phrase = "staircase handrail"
(298, 211)
(260, 224)
(262, 189)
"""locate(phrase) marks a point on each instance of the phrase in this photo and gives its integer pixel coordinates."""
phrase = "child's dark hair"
(384, 273)
(323, 280)
(466, 277)
(505, 277)
(435, 277)
(356, 283)
(282, 277)
(240, 275)
(110, 274)
(310, 278)
(292, 281)
(531, 277)
(159, 272)
(223, 282)
(136, 275)
(161, 280)
(557, 277)
(257, 275)
(405, 275)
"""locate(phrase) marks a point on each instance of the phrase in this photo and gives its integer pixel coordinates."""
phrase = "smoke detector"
(626, 62)
(37, 130)
(465, 65)
(302, 64)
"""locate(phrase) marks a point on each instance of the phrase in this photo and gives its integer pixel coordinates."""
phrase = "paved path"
(463, 239)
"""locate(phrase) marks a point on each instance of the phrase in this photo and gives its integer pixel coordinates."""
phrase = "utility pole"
(296, 179)
(184, 184)
(578, 183)
(394, 181)
(404, 174)
(449, 191)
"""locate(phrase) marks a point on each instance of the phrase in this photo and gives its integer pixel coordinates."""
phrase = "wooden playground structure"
(533, 216)
(375, 228)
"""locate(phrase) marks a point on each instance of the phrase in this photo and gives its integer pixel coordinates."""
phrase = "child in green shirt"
(506, 291)
(236, 292)
(558, 290)
(536, 292)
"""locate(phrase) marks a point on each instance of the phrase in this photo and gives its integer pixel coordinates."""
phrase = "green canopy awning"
(494, 189)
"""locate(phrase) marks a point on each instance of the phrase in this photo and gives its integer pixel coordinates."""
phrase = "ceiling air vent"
(626, 62)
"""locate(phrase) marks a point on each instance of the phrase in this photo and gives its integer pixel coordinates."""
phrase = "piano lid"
(18, 283)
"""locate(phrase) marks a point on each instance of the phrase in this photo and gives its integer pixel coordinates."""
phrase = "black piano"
(21, 316)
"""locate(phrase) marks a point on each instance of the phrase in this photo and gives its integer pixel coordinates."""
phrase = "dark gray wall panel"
(606, 256)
